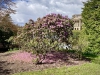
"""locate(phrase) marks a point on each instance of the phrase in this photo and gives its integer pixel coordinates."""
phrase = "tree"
(5, 7)
(91, 20)
(7, 29)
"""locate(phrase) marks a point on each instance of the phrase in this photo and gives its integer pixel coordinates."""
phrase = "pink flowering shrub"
(60, 26)
(45, 34)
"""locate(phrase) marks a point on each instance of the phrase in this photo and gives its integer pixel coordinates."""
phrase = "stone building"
(77, 22)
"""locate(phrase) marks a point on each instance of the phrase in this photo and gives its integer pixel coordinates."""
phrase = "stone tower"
(77, 21)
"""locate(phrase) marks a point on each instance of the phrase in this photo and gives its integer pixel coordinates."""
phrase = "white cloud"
(33, 9)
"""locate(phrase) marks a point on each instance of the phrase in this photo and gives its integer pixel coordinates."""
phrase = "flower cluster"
(56, 23)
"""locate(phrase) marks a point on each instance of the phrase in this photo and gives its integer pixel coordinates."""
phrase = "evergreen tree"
(91, 20)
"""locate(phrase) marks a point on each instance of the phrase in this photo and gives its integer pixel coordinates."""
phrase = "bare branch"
(5, 7)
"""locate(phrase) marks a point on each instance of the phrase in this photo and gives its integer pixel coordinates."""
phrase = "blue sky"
(33, 9)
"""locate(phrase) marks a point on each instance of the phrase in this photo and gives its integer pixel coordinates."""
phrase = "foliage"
(79, 43)
(14, 49)
(46, 34)
(85, 69)
(91, 20)
(75, 38)
(7, 29)
(59, 25)
(96, 60)
(5, 7)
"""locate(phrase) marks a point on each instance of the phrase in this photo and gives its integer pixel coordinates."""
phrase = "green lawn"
(85, 69)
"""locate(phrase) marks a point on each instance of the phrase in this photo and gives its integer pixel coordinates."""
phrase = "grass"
(85, 69)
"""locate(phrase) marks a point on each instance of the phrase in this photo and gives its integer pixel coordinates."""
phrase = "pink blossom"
(59, 25)
(52, 26)
(23, 56)
(59, 22)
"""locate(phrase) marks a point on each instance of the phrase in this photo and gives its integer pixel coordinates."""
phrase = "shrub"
(46, 34)
(96, 60)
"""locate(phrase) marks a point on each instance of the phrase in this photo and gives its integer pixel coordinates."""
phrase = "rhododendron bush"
(45, 34)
